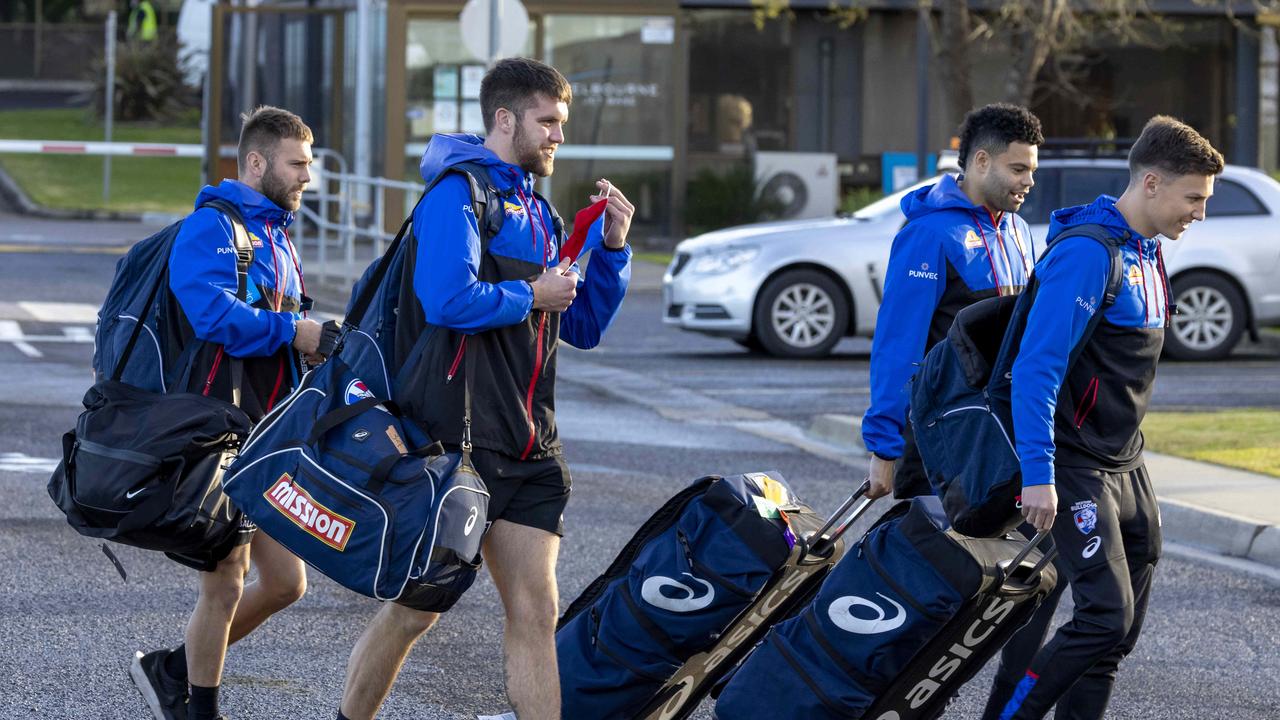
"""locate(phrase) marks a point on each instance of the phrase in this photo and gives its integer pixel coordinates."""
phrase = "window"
(1083, 185)
(1044, 198)
(1232, 199)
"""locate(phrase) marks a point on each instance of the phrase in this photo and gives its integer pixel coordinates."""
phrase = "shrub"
(149, 81)
(723, 199)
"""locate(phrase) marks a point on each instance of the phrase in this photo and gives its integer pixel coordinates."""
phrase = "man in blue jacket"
(266, 331)
(496, 308)
(1077, 425)
(963, 241)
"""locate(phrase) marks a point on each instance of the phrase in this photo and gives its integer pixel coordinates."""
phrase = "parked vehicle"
(795, 288)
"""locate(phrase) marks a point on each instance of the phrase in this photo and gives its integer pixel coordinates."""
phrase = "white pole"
(110, 103)
(495, 28)
(364, 96)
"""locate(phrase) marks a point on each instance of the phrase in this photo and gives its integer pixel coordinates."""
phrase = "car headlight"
(723, 260)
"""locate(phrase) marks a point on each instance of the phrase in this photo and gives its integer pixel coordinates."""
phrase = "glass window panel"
(1232, 199)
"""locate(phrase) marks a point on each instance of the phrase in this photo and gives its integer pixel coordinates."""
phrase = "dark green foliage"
(149, 81)
(727, 198)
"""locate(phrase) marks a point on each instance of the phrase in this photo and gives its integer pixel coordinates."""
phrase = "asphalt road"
(642, 416)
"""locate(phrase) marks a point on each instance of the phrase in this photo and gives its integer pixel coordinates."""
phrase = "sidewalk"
(1219, 509)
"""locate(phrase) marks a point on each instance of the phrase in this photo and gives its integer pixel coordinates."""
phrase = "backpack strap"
(1115, 275)
(244, 258)
(486, 202)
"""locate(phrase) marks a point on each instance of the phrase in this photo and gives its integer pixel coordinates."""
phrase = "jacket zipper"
(1090, 396)
(457, 360)
(533, 382)
(213, 372)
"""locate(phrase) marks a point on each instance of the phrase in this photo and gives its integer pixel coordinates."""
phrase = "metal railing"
(343, 218)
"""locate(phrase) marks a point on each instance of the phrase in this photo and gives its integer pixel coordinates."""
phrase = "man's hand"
(1040, 506)
(617, 214)
(881, 477)
(555, 289)
(306, 336)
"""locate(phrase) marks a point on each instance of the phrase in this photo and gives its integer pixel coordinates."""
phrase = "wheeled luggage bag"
(689, 594)
(909, 614)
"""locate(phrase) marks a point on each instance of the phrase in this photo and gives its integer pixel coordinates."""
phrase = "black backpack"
(961, 404)
(144, 467)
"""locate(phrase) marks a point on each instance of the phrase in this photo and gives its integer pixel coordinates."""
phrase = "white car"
(794, 288)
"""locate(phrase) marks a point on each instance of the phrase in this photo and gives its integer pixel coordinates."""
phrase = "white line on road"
(61, 312)
(12, 333)
(19, 462)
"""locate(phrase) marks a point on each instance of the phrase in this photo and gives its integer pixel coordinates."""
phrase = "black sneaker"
(165, 695)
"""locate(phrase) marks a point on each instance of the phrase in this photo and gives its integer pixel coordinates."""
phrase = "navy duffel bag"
(907, 615)
(337, 477)
(683, 578)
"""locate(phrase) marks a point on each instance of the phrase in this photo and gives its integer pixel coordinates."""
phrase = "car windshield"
(891, 202)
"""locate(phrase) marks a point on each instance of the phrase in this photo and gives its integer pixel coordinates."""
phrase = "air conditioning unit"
(804, 185)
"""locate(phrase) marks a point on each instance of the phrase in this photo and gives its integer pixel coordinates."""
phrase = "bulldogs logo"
(1086, 515)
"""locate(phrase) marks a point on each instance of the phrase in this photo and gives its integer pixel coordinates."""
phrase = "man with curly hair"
(963, 242)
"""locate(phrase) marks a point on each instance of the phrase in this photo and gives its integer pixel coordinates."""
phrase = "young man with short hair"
(963, 242)
(1077, 428)
(267, 331)
(497, 307)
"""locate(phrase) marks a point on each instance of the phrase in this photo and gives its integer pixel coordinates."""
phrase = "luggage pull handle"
(819, 544)
(1011, 586)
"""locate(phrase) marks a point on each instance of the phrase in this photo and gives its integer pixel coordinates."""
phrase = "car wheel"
(800, 313)
(1210, 319)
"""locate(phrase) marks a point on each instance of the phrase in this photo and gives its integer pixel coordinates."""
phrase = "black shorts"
(525, 492)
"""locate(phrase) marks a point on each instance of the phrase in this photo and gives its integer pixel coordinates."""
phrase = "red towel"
(582, 222)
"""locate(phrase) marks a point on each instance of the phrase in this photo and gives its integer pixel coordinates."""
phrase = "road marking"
(19, 462)
(78, 334)
(10, 332)
(65, 249)
(61, 312)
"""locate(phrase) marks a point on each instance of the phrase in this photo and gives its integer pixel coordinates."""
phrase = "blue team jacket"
(950, 254)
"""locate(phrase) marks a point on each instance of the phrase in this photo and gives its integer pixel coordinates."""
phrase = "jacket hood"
(1099, 212)
(942, 195)
(252, 204)
(445, 151)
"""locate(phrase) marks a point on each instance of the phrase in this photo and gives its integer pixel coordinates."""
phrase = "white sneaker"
(504, 716)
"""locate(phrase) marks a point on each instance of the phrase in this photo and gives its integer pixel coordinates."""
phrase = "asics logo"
(651, 592)
(471, 522)
(841, 613)
(1091, 548)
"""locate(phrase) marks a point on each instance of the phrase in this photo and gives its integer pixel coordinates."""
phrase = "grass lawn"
(72, 182)
(661, 258)
(1246, 439)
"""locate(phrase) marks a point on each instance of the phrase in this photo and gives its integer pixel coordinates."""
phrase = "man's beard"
(275, 189)
(529, 155)
(1000, 195)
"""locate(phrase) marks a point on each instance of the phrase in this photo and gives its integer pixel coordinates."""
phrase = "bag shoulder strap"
(244, 258)
(1012, 342)
(486, 201)
(1113, 243)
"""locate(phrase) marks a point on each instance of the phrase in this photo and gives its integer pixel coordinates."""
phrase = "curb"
(20, 203)
(1218, 532)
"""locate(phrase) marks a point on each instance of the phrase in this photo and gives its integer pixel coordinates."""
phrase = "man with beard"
(266, 331)
(496, 308)
(1078, 401)
(963, 242)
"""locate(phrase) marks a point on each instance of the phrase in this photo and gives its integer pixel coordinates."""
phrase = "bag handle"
(819, 543)
(334, 418)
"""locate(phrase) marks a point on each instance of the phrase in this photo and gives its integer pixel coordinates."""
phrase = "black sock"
(203, 704)
(176, 663)
(341, 716)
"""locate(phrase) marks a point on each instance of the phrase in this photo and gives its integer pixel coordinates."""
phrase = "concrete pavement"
(1210, 507)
